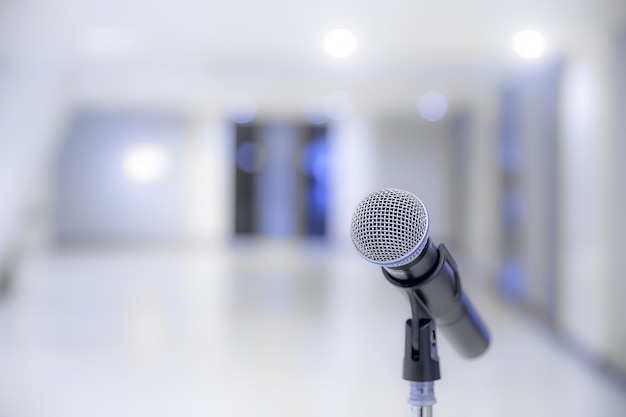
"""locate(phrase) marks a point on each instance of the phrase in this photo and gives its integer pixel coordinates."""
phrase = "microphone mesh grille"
(390, 227)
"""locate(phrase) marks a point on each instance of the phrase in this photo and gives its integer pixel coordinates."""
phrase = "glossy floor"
(276, 330)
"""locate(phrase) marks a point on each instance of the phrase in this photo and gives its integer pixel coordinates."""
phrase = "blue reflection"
(315, 159)
(315, 165)
(512, 279)
(249, 157)
(277, 184)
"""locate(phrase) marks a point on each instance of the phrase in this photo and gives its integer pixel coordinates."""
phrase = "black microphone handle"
(469, 335)
(433, 282)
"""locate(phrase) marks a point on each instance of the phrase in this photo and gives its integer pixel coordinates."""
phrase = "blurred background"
(177, 180)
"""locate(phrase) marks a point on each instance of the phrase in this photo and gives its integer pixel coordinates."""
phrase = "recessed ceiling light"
(529, 44)
(148, 163)
(340, 43)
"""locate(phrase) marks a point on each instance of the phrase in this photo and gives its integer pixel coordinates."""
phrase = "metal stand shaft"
(422, 399)
(426, 411)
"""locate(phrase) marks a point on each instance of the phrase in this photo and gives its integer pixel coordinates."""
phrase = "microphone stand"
(421, 361)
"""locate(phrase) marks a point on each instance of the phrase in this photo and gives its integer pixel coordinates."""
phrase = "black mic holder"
(421, 362)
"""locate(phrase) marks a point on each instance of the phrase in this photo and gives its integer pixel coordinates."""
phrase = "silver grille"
(390, 227)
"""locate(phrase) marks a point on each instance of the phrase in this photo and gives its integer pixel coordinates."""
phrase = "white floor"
(276, 331)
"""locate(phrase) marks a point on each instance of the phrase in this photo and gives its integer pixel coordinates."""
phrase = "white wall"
(208, 180)
(32, 107)
(482, 240)
(95, 200)
(585, 276)
(617, 227)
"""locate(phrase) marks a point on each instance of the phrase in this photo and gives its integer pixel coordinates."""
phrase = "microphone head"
(390, 227)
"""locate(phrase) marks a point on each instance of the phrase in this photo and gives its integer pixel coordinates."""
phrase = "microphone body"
(434, 289)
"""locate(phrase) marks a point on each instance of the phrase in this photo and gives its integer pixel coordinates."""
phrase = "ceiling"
(275, 47)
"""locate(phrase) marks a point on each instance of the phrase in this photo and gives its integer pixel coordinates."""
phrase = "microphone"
(390, 228)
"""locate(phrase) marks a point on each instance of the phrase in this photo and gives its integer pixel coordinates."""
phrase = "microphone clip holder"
(421, 362)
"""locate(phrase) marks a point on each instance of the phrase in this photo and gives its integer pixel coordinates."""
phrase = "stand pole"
(422, 399)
